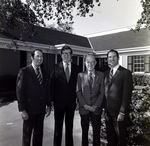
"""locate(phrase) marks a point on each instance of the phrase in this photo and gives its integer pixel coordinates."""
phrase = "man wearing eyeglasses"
(63, 90)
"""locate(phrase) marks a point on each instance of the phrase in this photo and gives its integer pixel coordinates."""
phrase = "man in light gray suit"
(90, 92)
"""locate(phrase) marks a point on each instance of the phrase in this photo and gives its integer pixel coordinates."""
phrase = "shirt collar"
(64, 64)
(34, 67)
(93, 73)
(115, 68)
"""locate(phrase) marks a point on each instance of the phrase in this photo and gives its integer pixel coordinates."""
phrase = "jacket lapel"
(33, 74)
(118, 72)
(95, 79)
(62, 72)
(107, 77)
(86, 79)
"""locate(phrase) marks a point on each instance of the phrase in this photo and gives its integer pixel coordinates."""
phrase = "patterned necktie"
(39, 76)
(110, 75)
(67, 72)
(91, 82)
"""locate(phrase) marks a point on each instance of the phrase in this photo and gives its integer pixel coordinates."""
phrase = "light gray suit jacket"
(84, 94)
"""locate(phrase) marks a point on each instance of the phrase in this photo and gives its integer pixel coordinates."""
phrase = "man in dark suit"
(118, 91)
(63, 89)
(33, 95)
(90, 94)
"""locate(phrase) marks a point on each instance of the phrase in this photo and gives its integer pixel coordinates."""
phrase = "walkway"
(11, 127)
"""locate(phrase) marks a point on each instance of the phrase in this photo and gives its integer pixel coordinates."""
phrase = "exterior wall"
(9, 62)
(124, 61)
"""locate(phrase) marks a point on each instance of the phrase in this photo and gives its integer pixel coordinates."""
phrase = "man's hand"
(48, 111)
(24, 115)
(52, 106)
(77, 106)
(87, 107)
(93, 108)
(103, 115)
(120, 117)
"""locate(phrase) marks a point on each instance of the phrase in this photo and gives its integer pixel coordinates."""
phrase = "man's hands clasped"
(90, 108)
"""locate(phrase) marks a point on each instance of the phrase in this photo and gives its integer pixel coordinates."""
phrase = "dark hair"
(66, 48)
(114, 52)
(33, 52)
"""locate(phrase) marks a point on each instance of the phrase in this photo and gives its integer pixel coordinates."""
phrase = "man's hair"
(66, 48)
(114, 52)
(33, 52)
(89, 54)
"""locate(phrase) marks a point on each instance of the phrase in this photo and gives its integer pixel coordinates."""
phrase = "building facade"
(133, 47)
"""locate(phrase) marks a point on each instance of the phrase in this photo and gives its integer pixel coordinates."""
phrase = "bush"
(141, 79)
(139, 122)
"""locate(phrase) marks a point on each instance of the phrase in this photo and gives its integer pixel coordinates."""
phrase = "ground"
(11, 127)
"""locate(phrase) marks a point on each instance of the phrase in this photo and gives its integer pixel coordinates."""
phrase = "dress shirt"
(69, 66)
(115, 69)
(93, 74)
(34, 67)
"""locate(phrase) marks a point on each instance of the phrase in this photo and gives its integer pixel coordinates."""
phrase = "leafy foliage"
(145, 16)
(64, 27)
(36, 11)
(139, 124)
(15, 13)
(141, 80)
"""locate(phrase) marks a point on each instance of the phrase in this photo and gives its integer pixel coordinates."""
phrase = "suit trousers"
(96, 124)
(59, 115)
(116, 131)
(33, 124)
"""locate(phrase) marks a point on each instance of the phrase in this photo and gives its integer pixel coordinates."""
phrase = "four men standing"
(33, 94)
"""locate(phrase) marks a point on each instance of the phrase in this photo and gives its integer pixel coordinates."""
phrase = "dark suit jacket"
(31, 96)
(90, 98)
(63, 93)
(118, 92)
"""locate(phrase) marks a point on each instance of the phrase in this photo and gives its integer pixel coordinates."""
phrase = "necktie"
(110, 75)
(91, 82)
(39, 76)
(67, 72)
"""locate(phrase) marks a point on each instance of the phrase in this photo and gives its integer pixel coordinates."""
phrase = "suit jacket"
(118, 92)
(85, 96)
(63, 92)
(31, 96)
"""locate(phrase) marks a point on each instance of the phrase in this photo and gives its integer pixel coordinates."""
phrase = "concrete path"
(11, 127)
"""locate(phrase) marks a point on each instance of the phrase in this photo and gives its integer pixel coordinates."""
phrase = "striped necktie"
(110, 75)
(39, 76)
(67, 72)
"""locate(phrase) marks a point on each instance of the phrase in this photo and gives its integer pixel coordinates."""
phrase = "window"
(139, 63)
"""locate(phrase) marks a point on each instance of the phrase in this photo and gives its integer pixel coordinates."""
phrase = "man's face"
(38, 58)
(66, 56)
(90, 63)
(112, 59)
